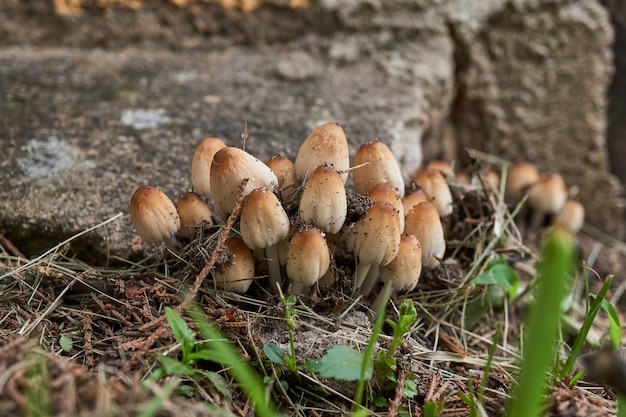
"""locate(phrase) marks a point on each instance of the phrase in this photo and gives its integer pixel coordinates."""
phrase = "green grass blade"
(154, 405)
(543, 324)
(584, 330)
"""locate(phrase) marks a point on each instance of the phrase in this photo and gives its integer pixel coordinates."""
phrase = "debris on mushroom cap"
(239, 274)
(263, 220)
(381, 166)
(154, 216)
(519, 178)
(405, 269)
(436, 188)
(229, 168)
(412, 199)
(571, 216)
(324, 202)
(325, 144)
(193, 212)
(308, 256)
(548, 194)
(375, 238)
(385, 192)
(424, 223)
(285, 172)
(201, 165)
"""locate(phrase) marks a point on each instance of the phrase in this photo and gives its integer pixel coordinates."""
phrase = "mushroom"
(308, 258)
(519, 178)
(491, 179)
(238, 274)
(154, 216)
(412, 199)
(441, 166)
(424, 223)
(546, 197)
(436, 188)
(326, 143)
(324, 202)
(405, 269)
(571, 216)
(263, 224)
(375, 240)
(229, 168)
(193, 213)
(378, 166)
(201, 165)
(385, 192)
(285, 172)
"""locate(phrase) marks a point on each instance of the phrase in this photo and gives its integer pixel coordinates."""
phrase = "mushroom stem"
(296, 287)
(378, 302)
(360, 274)
(173, 243)
(273, 266)
(370, 280)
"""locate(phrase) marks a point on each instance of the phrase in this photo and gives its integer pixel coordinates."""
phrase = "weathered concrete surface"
(82, 128)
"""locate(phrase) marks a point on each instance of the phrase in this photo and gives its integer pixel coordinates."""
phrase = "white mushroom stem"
(360, 274)
(370, 280)
(273, 266)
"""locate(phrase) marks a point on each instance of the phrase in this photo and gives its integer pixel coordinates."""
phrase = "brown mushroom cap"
(385, 192)
(285, 171)
(308, 256)
(405, 269)
(263, 220)
(548, 194)
(325, 144)
(436, 188)
(239, 274)
(424, 223)
(413, 199)
(441, 166)
(571, 216)
(229, 168)
(154, 216)
(519, 178)
(193, 213)
(324, 202)
(382, 166)
(201, 165)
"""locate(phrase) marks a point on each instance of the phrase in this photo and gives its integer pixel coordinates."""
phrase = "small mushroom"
(436, 188)
(378, 165)
(405, 269)
(386, 192)
(413, 199)
(193, 213)
(324, 202)
(375, 240)
(519, 178)
(571, 216)
(325, 144)
(238, 274)
(201, 165)
(546, 197)
(154, 216)
(229, 168)
(285, 172)
(308, 258)
(441, 166)
(424, 223)
(263, 224)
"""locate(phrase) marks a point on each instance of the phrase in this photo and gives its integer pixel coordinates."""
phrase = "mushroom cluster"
(296, 216)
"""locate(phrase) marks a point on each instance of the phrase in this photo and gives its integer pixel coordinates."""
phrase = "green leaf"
(182, 333)
(410, 388)
(500, 273)
(220, 384)
(340, 362)
(615, 329)
(66, 343)
(209, 355)
(274, 353)
(175, 367)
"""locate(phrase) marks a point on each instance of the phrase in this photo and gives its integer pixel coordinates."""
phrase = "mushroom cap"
(571, 216)
(201, 165)
(491, 179)
(229, 168)
(424, 223)
(324, 202)
(382, 166)
(239, 274)
(405, 269)
(441, 166)
(548, 194)
(285, 171)
(193, 212)
(412, 199)
(436, 188)
(153, 215)
(386, 192)
(325, 144)
(375, 237)
(308, 256)
(263, 221)
(519, 178)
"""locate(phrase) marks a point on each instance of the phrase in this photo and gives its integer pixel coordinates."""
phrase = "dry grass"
(114, 319)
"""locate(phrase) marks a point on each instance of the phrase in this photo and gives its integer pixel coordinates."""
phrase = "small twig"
(10, 247)
(87, 338)
(395, 404)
